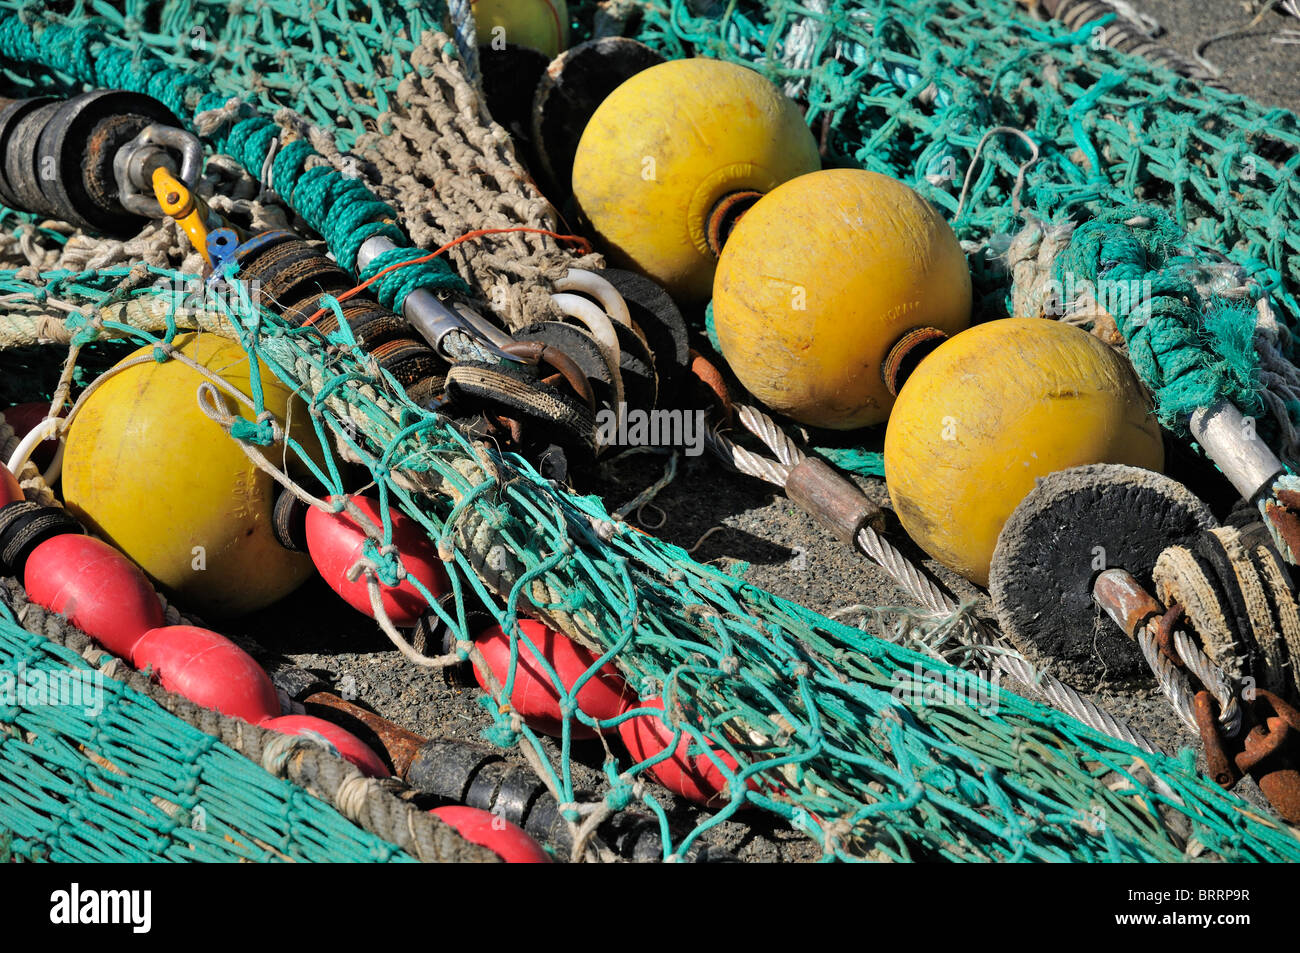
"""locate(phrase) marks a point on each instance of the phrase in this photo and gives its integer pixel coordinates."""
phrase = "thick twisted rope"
(916, 583)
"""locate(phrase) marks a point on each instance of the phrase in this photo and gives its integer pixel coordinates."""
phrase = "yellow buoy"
(541, 25)
(819, 281)
(147, 470)
(993, 409)
(665, 153)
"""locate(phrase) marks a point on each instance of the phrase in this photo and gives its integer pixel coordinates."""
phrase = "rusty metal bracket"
(1164, 634)
(1283, 512)
(1270, 754)
(1220, 765)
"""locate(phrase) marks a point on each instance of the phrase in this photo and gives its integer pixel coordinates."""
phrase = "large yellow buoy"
(541, 25)
(666, 154)
(993, 409)
(820, 279)
(147, 470)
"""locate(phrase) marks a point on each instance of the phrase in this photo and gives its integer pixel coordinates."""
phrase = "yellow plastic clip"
(189, 211)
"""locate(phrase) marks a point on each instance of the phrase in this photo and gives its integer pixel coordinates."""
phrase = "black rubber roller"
(58, 156)
(573, 86)
(24, 526)
(516, 392)
(289, 522)
(83, 137)
(371, 323)
(581, 348)
(432, 636)
(10, 116)
(410, 362)
(1071, 527)
(22, 158)
(289, 272)
(637, 368)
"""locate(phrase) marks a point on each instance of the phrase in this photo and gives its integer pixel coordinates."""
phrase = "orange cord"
(578, 240)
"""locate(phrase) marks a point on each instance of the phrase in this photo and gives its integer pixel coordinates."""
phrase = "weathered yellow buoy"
(673, 154)
(541, 25)
(993, 409)
(147, 470)
(819, 281)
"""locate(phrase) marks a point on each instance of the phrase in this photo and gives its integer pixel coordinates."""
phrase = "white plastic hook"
(49, 427)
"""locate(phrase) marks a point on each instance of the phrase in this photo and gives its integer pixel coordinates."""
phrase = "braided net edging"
(152, 776)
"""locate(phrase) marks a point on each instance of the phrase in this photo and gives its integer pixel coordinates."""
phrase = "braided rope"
(441, 141)
(366, 802)
(919, 585)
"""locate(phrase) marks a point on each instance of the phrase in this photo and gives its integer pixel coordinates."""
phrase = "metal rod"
(1230, 441)
(433, 319)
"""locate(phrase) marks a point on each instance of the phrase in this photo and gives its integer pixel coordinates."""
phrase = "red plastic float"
(24, 418)
(533, 695)
(10, 491)
(695, 777)
(209, 670)
(335, 542)
(349, 746)
(508, 841)
(94, 587)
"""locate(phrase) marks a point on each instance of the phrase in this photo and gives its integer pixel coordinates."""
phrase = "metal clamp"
(156, 146)
(432, 318)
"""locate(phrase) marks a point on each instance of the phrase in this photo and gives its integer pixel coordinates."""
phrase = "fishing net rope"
(822, 718)
(95, 766)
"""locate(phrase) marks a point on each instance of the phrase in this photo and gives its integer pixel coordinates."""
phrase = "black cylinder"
(58, 156)
(10, 116)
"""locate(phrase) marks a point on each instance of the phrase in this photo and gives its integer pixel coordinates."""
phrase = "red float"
(695, 777)
(335, 542)
(508, 841)
(209, 670)
(533, 695)
(24, 418)
(94, 587)
(349, 746)
(10, 491)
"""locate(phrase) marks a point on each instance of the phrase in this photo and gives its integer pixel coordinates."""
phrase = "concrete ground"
(1260, 56)
(734, 518)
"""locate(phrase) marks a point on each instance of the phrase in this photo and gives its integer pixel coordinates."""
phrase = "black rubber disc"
(640, 387)
(581, 348)
(22, 159)
(1073, 525)
(510, 77)
(287, 272)
(573, 86)
(518, 393)
(82, 136)
(661, 321)
(10, 116)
